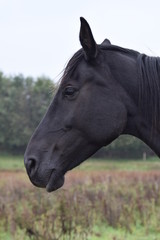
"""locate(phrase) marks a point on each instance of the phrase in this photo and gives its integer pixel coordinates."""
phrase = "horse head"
(95, 103)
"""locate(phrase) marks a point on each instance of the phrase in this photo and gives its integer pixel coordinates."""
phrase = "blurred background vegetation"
(24, 101)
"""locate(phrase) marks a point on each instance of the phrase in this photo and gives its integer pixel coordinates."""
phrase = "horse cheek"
(106, 126)
(115, 122)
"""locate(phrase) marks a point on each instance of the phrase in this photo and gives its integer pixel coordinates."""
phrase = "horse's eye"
(69, 91)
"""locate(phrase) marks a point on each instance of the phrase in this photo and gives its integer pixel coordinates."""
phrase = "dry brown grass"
(117, 199)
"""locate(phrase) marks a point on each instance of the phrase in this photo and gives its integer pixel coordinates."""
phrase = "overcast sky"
(37, 37)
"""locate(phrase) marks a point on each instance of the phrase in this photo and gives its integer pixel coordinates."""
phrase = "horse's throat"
(145, 132)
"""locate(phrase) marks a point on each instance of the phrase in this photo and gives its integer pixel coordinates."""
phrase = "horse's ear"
(87, 41)
(105, 43)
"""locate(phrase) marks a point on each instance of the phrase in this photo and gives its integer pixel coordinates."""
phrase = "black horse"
(105, 91)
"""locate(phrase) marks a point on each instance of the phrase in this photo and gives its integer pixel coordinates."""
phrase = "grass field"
(17, 163)
(11, 163)
(101, 200)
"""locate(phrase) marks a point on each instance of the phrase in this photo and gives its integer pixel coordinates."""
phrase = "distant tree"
(23, 102)
(125, 146)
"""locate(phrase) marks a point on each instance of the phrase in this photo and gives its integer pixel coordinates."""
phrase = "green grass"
(16, 163)
(121, 165)
(105, 233)
(5, 235)
(11, 163)
(108, 233)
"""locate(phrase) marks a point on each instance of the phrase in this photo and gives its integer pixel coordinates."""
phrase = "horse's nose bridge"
(40, 141)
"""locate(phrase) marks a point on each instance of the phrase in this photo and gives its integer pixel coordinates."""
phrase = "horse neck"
(146, 124)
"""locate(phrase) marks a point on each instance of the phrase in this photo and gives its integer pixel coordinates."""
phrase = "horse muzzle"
(40, 176)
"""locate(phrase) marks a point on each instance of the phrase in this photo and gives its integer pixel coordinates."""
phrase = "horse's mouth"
(55, 182)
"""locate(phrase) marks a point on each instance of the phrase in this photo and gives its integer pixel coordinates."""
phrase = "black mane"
(72, 64)
(149, 86)
(119, 49)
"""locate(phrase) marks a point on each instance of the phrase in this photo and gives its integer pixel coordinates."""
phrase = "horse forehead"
(84, 70)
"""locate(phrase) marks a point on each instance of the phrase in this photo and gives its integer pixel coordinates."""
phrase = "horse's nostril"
(31, 166)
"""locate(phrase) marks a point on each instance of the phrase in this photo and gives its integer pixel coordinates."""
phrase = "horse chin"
(55, 182)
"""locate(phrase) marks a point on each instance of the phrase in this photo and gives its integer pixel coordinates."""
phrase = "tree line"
(24, 101)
